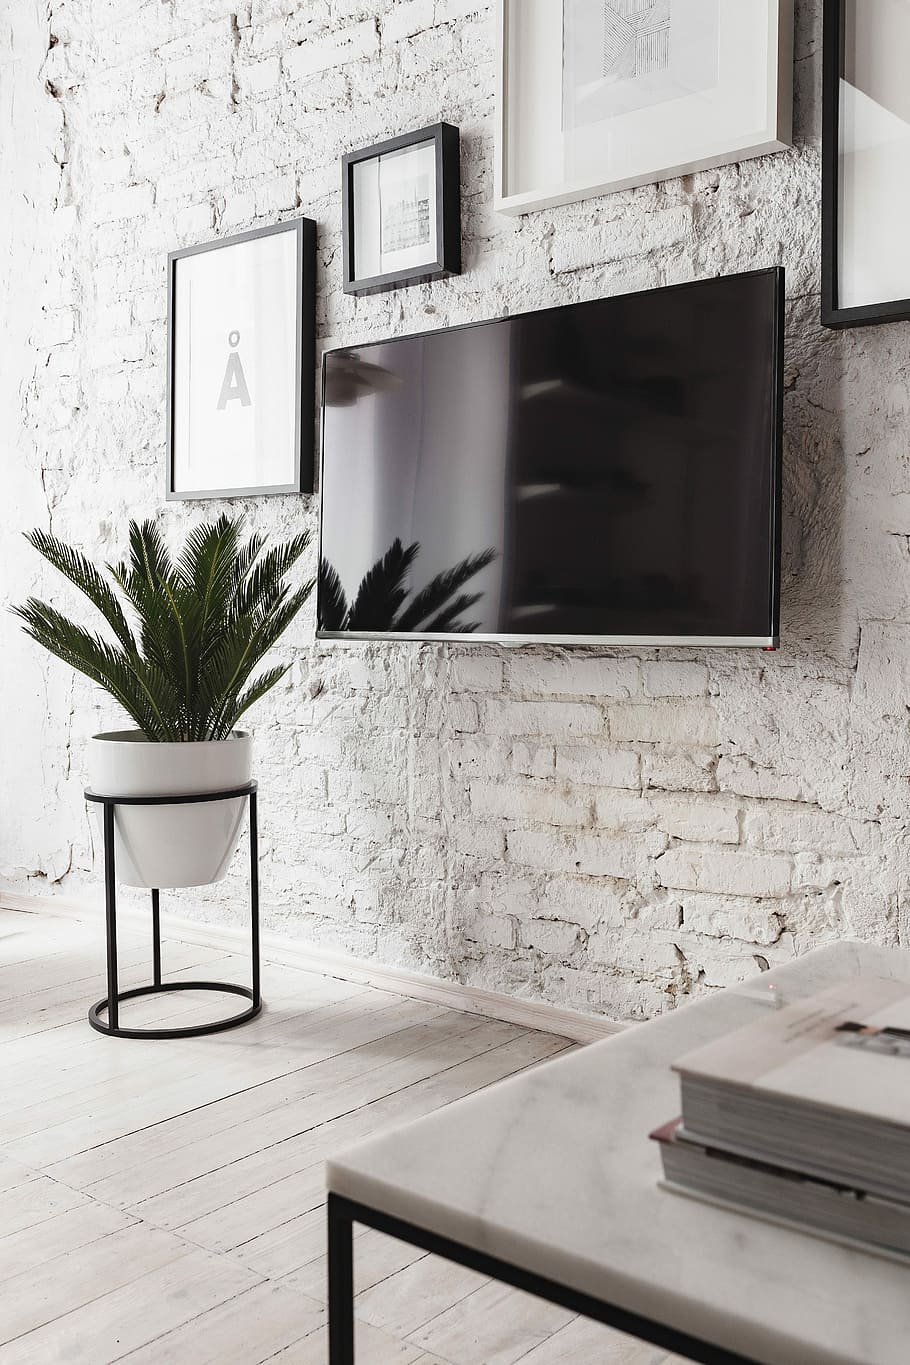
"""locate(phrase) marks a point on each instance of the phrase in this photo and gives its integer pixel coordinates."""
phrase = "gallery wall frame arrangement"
(241, 364)
(602, 95)
(401, 211)
(865, 163)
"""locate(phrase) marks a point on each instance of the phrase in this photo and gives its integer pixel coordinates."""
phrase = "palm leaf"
(74, 565)
(272, 568)
(131, 683)
(333, 605)
(204, 624)
(382, 590)
(447, 620)
(263, 684)
(440, 589)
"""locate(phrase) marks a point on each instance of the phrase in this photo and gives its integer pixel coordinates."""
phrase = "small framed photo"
(401, 211)
(865, 163)
(241, 364)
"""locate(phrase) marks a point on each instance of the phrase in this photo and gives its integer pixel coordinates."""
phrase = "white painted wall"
(605, 832)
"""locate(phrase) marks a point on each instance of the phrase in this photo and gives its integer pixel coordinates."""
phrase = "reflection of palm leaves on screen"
(381, 602)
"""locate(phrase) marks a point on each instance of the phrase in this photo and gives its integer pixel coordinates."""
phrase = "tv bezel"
(769, 641)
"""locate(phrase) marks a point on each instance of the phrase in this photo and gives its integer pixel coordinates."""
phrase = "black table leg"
(343, 1213)
(341, 1283)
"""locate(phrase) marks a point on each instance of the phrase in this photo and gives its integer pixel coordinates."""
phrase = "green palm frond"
(271, 570)
(205, 622)
(262, 685)
(80, 571)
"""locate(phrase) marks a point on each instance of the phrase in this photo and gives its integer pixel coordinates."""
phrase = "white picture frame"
(678, 111)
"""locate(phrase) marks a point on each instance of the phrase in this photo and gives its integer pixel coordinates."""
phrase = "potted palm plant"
(187, 638)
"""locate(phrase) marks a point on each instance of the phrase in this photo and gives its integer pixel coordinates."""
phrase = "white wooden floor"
(163, 1201)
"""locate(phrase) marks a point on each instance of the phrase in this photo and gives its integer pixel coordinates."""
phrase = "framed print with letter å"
(241, 364)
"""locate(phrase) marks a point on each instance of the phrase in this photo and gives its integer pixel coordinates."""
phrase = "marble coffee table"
(548, 1182)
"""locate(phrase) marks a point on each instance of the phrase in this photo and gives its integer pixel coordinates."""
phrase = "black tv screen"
(601, 472)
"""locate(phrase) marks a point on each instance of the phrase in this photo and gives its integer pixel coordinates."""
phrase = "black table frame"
(343, 1213)
(111, 1003)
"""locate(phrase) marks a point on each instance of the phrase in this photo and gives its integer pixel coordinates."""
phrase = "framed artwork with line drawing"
(401, 211)
(241, 364)
(602, 95)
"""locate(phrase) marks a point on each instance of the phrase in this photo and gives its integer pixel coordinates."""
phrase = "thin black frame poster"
(241, 364)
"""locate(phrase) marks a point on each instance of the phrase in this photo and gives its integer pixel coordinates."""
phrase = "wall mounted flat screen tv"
(605, 472)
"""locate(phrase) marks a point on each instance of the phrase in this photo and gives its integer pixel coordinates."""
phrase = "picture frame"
(593, 98)
(865, 164)
(241, 364)
(401, 211)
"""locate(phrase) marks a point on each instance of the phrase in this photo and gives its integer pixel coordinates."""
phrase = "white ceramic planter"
(170, 846)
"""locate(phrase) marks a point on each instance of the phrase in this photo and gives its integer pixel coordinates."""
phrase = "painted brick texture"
(611, 832)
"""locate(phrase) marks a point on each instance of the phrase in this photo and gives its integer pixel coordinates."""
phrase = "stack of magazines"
(803, 1116)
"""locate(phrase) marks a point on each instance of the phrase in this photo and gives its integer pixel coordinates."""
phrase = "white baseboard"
(581, 1028)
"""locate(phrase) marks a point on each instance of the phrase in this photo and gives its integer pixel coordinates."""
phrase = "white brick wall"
(606, 831)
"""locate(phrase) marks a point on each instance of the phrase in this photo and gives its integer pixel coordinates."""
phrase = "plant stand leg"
(254, 897)
(110, 913)
(156, 938)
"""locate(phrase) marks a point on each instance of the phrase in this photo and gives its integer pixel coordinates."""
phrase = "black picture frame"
(305, 362)
(447, 258)
(833, 315)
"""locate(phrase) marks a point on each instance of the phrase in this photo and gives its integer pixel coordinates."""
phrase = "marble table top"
(553, 1171)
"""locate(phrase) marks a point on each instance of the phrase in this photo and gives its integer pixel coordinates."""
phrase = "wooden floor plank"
(114, 1324)
(283, 1120)
(41, 1294)
(164, 1201)
(13, 1173)
(249, 1329)
(583, 1342)
(206, 1193)
(376, 1258)
(26, 1205)
(23, 1020)
(63, 1233)
(372, 1347)
(416, 1295)
(495, 1324)
(286, 1248)
(155, 1103)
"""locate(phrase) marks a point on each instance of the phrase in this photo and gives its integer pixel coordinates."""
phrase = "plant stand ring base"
(197, 1030)
(110, 1004)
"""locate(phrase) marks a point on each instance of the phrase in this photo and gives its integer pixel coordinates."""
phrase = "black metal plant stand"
(111, 1004)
